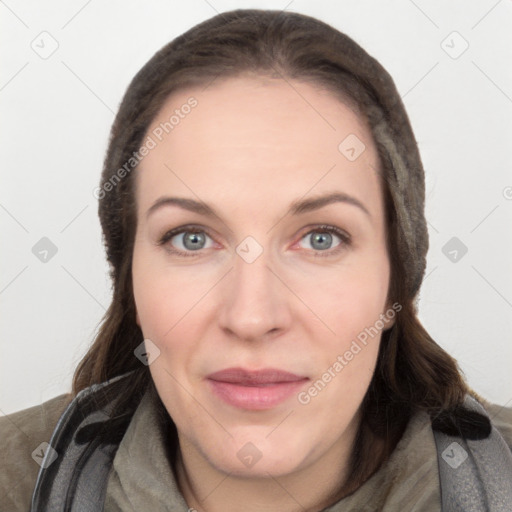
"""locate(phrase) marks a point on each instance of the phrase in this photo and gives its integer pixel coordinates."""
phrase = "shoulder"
(501, 418)
(21, 436)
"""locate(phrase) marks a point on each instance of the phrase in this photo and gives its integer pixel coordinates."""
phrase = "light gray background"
(56, 116)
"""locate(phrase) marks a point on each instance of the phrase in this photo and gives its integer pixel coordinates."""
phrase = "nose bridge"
(255, 301)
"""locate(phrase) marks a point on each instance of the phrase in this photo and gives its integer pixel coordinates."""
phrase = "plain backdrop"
(451, 64)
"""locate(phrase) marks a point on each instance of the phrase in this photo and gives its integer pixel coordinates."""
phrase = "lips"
(254, 390)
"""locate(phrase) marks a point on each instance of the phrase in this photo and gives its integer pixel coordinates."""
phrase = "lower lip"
(255, 398)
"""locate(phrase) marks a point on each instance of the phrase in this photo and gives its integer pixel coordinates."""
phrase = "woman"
(262, 203)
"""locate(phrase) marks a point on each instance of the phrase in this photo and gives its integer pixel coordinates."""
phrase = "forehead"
(253, 112)
(255, 134)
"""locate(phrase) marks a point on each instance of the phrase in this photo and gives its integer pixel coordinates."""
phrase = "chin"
(256, 454)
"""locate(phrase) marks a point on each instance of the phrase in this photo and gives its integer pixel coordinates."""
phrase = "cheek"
(360, 304)
(349, 299)
(345, 361)
(350, 304)
(163, 300)
(169, 305)
(163, 296)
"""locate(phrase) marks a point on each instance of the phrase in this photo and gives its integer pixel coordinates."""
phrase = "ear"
(389, 323)
(390, 313)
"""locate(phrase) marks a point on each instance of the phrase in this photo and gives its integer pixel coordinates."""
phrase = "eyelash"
(345, 239)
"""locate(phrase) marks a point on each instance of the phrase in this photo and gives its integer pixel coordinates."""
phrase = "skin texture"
(250, 148)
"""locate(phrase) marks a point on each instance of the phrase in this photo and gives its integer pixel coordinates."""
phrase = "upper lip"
(254, 377)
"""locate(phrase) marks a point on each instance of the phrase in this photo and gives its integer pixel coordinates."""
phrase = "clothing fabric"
(21, 436)
(141, 477)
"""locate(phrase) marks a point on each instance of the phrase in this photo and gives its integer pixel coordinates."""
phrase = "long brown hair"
(413, 372)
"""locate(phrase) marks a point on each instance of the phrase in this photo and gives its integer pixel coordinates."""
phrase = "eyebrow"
(296, 208)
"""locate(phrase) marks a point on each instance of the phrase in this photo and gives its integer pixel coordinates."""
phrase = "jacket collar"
(141, 476)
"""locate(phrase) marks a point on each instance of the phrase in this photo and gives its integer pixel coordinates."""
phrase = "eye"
(186, 240)
(321, 239)
(190, 240)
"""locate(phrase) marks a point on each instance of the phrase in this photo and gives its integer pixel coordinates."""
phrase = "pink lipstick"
(254, 390)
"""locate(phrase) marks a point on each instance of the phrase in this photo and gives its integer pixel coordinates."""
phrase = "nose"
(255, 303)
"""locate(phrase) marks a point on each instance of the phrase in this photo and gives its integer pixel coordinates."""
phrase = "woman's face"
(259, 311)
